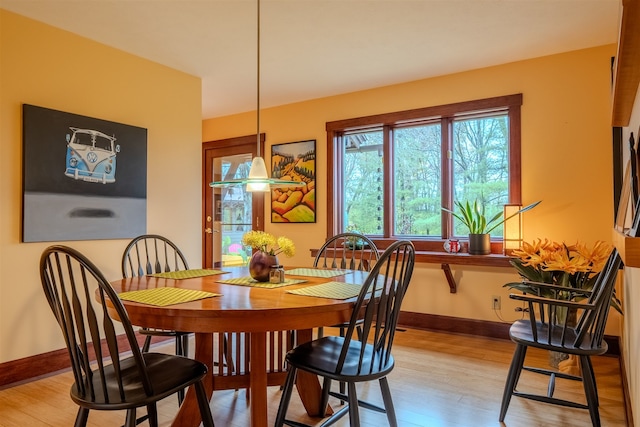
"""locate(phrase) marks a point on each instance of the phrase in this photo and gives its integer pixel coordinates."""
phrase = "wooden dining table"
(247, 309)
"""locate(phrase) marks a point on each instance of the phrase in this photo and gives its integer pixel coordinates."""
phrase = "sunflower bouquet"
(268, 243)
(574, 266)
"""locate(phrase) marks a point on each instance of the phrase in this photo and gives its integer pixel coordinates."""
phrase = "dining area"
(245, 332)
(285, 345)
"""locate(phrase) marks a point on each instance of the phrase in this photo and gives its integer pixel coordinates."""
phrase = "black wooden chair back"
(150, 254)
(349, 359)
(69, 281)
(566, 320)
(352, 251)
(104, 380)
(377, 309)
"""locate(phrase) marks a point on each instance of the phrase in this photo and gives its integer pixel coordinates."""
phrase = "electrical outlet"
(495, 302)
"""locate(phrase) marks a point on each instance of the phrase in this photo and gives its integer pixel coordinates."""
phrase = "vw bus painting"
(91, 156)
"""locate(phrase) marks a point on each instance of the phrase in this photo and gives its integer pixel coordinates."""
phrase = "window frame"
(445, 114)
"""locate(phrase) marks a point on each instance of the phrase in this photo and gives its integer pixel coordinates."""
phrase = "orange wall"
(48, 67)
(566, 159)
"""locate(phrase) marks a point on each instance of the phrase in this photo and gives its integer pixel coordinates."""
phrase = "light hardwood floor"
(440, 380)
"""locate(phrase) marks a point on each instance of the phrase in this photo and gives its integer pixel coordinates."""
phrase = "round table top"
(239, 308)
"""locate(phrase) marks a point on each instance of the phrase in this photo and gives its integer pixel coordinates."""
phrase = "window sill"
(446, 259)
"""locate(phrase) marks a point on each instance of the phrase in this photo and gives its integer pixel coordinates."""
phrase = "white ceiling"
(316, 48)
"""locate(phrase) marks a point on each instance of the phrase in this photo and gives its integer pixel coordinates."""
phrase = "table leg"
(258, 379)
(308, 385)
(189, 414)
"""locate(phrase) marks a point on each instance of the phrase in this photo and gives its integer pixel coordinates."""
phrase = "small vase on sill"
(260, 265)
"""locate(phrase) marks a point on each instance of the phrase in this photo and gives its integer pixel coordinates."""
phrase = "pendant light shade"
(258, 179)
(258, 176)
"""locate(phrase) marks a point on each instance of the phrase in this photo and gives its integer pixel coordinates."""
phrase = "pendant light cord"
(258, 83)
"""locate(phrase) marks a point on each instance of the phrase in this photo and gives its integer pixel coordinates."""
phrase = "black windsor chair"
(149, 254)
(548, 327)
(111, 381)
(352, 251)
(351, 360)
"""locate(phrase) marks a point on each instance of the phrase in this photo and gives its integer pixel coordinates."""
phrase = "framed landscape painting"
(294, 161)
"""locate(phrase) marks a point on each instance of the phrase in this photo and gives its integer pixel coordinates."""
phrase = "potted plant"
(480, 228)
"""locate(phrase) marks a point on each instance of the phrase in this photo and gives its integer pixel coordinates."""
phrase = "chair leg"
(354, 414)
(203, 405)
(590, 390)
(152, 412)
(81, 417)
(324, 399)
(286, 396)
(182, 349)
(342, 332)
(179, 350)
(388, 402)
(130, 420)
(593, 376)
(512, 378)
(185, 345)
(147, 344)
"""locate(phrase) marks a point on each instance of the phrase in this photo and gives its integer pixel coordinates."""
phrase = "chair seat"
(521, 333)
(167, 374)
(321, 358)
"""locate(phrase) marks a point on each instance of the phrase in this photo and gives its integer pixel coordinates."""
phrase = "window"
(390, 174)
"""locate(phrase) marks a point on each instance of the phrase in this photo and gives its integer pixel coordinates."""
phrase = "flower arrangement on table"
(575, 266)
(267, 247)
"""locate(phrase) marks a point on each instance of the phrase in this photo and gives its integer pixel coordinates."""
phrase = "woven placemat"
(187, 274)
(316, 272)
(165, 296)
(332, 290)
(248, 281)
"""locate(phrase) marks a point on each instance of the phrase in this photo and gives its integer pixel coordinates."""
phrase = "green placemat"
(248, 281)
(333, 290)
(315, 272)
(165, 296)
(187, 274)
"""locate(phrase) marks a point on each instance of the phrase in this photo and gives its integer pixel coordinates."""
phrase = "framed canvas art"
(83, 178)
(294, 161)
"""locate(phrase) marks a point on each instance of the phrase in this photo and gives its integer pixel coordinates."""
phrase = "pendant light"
(258, 179)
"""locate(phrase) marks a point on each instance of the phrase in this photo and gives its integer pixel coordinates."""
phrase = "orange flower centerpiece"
(267, 247)
(576, 266)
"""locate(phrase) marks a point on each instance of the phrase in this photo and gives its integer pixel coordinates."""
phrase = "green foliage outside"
(479, 162)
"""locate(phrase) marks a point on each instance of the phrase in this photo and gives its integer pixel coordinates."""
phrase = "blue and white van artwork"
(91, 156)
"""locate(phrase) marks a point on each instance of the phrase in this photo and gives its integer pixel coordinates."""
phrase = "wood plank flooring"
(440, 380)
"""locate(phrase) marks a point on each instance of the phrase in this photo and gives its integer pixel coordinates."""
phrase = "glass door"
(230, 211)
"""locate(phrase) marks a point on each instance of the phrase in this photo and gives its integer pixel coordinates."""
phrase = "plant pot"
(260, 265)
(479, 244)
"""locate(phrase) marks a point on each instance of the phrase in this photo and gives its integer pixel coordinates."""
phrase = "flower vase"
(260, 265)
(557, 359)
